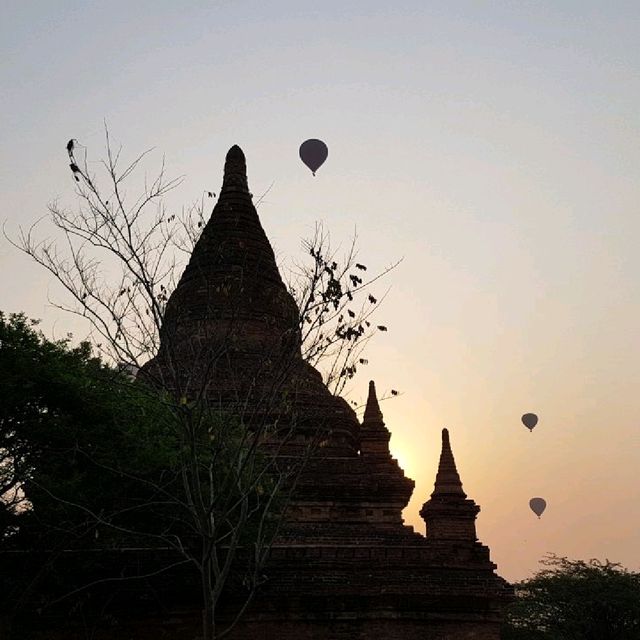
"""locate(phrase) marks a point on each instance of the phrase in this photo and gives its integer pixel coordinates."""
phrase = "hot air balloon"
(538, 505)
(530, 420)
(313, 153)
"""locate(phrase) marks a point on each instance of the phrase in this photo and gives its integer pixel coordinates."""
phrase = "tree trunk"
(208, 606)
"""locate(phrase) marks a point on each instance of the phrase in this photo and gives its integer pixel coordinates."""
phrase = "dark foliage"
(576, 600)
(72, 432)
(91, 460)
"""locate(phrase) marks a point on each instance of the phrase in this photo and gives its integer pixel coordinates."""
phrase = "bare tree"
(118, 259)
(336, 308)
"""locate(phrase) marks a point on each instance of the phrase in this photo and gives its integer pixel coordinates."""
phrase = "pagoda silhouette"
(344, 564)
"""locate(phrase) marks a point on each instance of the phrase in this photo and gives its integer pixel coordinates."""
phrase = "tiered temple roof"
(345, 564)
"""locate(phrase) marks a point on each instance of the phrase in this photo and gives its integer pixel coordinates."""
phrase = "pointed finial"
(372, 413)
(235, 171)
(447, 479)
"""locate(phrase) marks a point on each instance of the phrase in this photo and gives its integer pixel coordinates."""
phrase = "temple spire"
(233, 243)
(231, 284)
(374, 436)
(448, 514)
(235, 171)
(372, 414)
(448, 481)
(375, 454)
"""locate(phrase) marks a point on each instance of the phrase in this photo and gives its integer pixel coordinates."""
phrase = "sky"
(494, 147)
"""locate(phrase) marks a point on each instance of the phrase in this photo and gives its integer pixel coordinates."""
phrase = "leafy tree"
(91, 459)
(84, 457)
(71, 429)
(576, 600)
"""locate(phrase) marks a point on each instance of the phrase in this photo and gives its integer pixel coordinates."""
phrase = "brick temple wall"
(369, 630)
(185, 626)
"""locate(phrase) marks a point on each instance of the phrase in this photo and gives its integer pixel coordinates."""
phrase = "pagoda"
(344, 564)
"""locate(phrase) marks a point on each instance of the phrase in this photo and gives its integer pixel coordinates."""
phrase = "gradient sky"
(493, 145)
